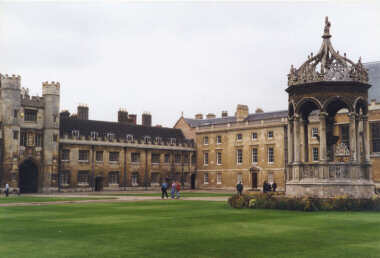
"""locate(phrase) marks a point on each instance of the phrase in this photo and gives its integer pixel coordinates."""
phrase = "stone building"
(43, 150)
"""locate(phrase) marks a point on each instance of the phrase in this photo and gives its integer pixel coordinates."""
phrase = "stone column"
(357, 125)
(322, 137)
(290, 141)
(365, 138)
(352, 132)
(296, 136)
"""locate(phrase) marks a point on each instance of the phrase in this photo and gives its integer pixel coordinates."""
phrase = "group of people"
(268, 187)
(175, 190)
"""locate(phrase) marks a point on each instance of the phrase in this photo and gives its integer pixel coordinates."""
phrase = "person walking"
(274, 186)
(178, 189)
(172, 193)
(265, 187)
(6, 190)
(164, 190)
(239, 188)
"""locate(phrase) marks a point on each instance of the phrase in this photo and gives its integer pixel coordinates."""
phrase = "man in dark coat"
(265, 187)
(274, 186)
(239, 188)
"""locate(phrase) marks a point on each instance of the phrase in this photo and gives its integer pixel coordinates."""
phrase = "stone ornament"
(327, 65)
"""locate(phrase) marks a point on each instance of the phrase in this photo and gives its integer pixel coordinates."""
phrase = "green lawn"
(183, 194)
(183, 229)
(23, 199)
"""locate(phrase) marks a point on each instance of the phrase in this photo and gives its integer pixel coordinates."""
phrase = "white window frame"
(239, 156)
(315, 154)
(205, 158)
(257, 155)
(205, 178)
(254, 138)
(129, 137)
(75, 133)
(172, 141)
(147, 139)
(219, 178)
(270, 136)
(314, 132)
(83, 160)
(218, 158)
(218, 139)
(110, 136)
(94, 134)
(239, 135)
(270, 160)
(205, 140)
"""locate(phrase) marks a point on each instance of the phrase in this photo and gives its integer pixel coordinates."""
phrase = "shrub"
(239, 201)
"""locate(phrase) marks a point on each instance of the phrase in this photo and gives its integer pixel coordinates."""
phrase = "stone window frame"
(271, 155)
(64, 178)
(219, 158)
(314, 132)
(218, 139)
(135, 157)
(65, 155)
(270, 134)
(173, 141)
(98, 154)
(219, 178)
(94, 135)
(110, 136)
(254, 136)
(82, 155)
(154, 160)
(75, 133)
(255, 155)
(375, 137)
(205, 158)
(114, 156)
(114, 178)
(205, 179)
(239, 156)
(23, 138)
(30, 115)
(315, 154)
(147, 139)
(178, 158)
(83, 174)
(205, 140)
(15, 134)
(158, 140)
(239, 137)
(129, 137)
(167, 158)
(38, 139)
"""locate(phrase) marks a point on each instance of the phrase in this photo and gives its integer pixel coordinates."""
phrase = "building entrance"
(28, 177)
(193, 181)
(254, 180)
(99, 183)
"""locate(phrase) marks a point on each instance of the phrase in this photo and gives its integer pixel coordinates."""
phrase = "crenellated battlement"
(50, 88)
(10, 82)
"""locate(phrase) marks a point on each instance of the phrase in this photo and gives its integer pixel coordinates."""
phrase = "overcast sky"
(170, 57)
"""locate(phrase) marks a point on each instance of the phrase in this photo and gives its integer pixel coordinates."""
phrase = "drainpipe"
(125, 169)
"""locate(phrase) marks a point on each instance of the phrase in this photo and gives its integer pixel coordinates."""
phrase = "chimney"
(159, 126)
(146, 119)
(224, 114)
(82, 112)
(259, 110)
(199, 116)
(241, 112)
(122, 116)
(64, 114)
(132, 119)
(210, 116)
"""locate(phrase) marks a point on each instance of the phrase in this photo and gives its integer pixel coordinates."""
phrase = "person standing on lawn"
(178, 189)
(239, 188)
(274, 186)
(172, 193)
(164, 190)
(6, 190)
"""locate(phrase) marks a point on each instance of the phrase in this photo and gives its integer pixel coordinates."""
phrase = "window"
(186, 158)
(83, 177)
(23, 138)
(110, 136)
(135, 179)
(114, 156)
(314, 132)
(375, 131)
(218, 139)
(270, 134)
(205, 178)
(345, 135)
(219, 158)
(205, 158)
(239, 137)
(99, 156)
(178, 158)
(55, 137)
(75, 133)
(254, 136)
(239, 178)
(219, 178)
(193, 159)
(65, 155)
(270, 155)
(15, 135)
(158, 140)
(113, 178)
(205, 140)
(172, 140)
(15, 112)
(83, 155)
(156, 158)
(135, 157)
(147, 139)
(239, 156)
(38, 140)
(167, 158)
(255, 157)
(30, 115)
(315, 154)
(155, 178)
(94, 135)
(130, 137)
(64, 178)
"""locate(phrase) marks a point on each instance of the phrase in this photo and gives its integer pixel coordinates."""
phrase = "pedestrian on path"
(164, 190)
(6, 190)
(178, 189)
(239, 188)
(173, 190)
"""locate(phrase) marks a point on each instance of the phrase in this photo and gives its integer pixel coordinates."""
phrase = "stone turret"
(51, 95)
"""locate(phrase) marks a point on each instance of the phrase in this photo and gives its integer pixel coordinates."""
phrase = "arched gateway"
(28, 177)
(328, 84)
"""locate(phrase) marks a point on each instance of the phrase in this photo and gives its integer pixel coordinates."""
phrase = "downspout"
(125, 169)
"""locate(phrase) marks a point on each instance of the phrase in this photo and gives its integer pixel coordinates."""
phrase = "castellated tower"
(10, 104)
(50, 92)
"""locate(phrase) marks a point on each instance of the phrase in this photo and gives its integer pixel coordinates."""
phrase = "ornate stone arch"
(340, 102)
(360, 103)
(306, 105)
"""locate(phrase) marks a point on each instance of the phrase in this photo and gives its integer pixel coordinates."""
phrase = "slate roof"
(120, 130)
(374, 80)
(232, 119)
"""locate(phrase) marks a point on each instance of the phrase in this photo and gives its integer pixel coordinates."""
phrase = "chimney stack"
(241, 112)
(210, 116)
(259, 110)
(122, 116)
(224, 114)
(146, 119)
(132, 118)
(199, 116)
(65, 114)
(82, 112)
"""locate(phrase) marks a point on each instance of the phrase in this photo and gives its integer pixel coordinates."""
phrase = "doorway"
(254, 180)
(98, 184)
(28, 177)
(193, 181)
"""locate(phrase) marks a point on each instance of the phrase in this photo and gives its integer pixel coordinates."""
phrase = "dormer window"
(94, 135)
(147, 139)
(75, 133)
(158, 140)
(130, 137)
(110, 136)
(172, 140)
